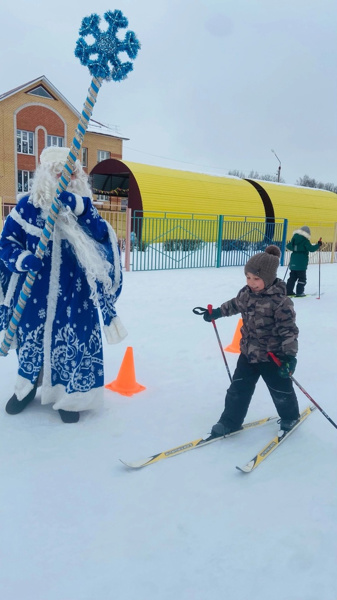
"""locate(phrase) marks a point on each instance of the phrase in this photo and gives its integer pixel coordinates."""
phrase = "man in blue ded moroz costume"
(58, 340)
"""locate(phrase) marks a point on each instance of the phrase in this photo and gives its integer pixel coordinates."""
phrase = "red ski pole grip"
(275, 359)
(210, 308)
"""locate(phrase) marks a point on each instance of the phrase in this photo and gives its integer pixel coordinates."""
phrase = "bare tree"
(307, 181)
(236, 173)
(255, 175)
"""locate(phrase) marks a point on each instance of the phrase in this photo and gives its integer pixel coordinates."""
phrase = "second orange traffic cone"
(235, 345)
(126, 383)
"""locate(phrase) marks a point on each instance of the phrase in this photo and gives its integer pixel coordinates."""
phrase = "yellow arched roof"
(170, 190)
(301, 205)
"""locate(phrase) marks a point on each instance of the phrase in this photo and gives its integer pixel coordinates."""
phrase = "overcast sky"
(216, 85)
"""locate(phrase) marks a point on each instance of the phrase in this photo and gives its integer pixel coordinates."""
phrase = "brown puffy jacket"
(268, 322)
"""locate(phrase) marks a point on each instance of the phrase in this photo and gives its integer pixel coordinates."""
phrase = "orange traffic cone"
(125, 383)
(235, 345)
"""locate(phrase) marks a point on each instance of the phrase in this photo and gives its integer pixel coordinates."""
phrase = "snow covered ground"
(77, 525)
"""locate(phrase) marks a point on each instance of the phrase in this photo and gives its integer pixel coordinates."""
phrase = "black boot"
(221, 429)
(69, 416)
(287, 424)
(15, 406)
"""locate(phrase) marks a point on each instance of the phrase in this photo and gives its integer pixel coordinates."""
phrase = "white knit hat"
(54, 154)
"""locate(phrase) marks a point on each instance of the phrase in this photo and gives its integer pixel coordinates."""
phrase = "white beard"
(45, 183)
(87, 251)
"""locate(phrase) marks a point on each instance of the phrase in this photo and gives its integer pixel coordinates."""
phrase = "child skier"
(268, 326)
(300, 246)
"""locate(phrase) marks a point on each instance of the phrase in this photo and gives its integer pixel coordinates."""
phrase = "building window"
(84, 157)
(102, 155)
(54, 140)
(41, 91)
(24, 179)
(25, 142)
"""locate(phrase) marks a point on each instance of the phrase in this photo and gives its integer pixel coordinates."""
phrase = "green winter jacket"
(300, 246)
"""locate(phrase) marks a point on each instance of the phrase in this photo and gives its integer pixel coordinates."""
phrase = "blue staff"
(106, 66)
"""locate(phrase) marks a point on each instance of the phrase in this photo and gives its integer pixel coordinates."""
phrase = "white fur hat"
(54, 154)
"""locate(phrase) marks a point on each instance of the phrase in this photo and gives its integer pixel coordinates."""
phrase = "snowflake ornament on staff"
(106, 47)
(106, 66)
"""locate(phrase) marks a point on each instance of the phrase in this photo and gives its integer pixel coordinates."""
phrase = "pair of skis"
(305, 295)
(278, 439)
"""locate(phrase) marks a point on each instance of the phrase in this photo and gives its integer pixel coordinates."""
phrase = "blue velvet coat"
(60, 326)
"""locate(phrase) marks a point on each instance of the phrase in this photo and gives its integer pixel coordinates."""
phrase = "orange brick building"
(35, 115)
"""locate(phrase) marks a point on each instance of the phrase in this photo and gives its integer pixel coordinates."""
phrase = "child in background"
(300, 246)
(268, 326)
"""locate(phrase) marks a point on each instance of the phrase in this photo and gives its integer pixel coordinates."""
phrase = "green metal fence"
(171, 241)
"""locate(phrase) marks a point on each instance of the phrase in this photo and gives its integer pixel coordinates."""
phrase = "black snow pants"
(241, 390)
(301, 278)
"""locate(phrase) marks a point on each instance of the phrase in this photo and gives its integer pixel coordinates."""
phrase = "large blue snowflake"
(106, 47)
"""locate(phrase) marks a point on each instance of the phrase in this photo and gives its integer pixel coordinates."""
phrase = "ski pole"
(278, 362)
(201, 311)
(319, 271)
(286, 273)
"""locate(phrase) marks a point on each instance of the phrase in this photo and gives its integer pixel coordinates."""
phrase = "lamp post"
(279, 167)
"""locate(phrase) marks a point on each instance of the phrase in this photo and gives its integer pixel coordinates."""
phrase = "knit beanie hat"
(306, 229)
(264, 264)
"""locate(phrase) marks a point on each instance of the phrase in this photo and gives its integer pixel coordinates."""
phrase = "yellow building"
(35, 115)
(150, 190)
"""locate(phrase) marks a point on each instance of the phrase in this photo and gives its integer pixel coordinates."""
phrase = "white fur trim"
(304, 233)
(27, 227)
(22, 387)
(79, 208)
(115, 332)
(21, 257)
(75, 402)
(54, 154)
(13, 282)
(54, 282)
(56, 395)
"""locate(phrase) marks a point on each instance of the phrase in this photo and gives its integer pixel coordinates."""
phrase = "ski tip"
(127, 465)
(139, 464)
(247, 468)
